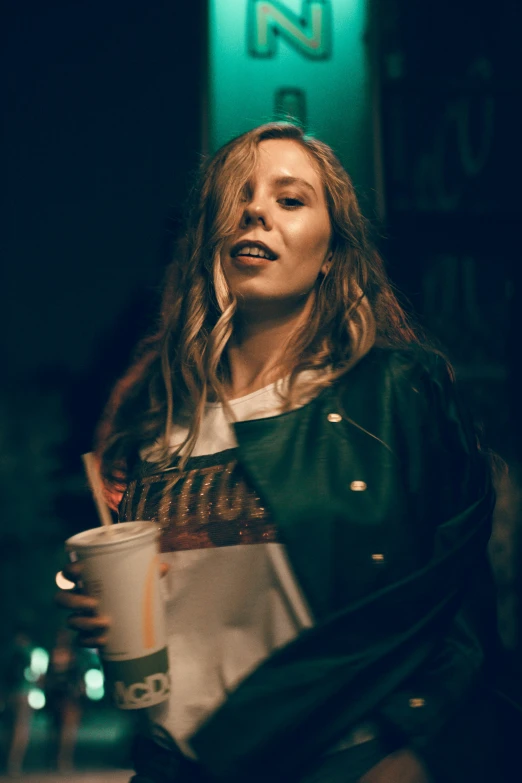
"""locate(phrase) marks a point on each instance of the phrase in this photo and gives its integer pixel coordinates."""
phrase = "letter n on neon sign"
(310, 34)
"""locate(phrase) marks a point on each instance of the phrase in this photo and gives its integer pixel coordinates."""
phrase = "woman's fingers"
(92, 631)
(72, 572)
(81, 622)
(90, 627)
(76, 601)
(92, 641)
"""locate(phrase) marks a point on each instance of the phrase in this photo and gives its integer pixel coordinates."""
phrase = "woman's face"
(283, 231)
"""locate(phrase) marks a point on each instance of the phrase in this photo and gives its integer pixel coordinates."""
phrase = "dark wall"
(102, 133)
(450, 104)
(450, 98)
(102, 130)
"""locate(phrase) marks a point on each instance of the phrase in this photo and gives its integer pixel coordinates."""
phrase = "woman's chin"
(270, 303)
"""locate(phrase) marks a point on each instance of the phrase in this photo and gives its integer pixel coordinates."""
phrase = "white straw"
(93, 477)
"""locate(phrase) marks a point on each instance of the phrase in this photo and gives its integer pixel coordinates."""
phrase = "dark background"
(102, 135)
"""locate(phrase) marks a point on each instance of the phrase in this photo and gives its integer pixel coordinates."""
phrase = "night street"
(260, 407)
(101, 752)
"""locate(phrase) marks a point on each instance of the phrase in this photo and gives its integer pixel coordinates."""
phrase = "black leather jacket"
(384, 502)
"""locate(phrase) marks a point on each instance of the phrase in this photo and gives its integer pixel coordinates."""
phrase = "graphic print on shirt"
(210, 504)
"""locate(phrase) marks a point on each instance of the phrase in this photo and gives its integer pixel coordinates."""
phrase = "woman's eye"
(290, 203)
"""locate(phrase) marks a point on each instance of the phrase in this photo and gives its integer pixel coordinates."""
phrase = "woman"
(323, 504)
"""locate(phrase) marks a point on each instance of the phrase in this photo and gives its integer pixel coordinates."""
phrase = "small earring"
(327, 263)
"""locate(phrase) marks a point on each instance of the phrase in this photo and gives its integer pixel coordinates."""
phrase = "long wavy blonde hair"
(184, 362)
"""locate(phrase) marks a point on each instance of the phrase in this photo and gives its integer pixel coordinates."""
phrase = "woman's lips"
(240, 260)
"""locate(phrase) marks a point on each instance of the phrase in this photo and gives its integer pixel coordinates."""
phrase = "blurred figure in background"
(17, 708)
(64, 690)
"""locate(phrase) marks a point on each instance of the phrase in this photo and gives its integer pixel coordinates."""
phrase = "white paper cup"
(120, 567)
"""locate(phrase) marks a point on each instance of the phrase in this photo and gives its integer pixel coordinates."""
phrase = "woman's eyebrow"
(282, 181)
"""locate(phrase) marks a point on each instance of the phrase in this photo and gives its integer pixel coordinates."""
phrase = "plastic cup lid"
(115, 534)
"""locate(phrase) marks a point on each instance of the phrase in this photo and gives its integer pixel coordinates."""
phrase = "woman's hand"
(403, 766)
(92, 628)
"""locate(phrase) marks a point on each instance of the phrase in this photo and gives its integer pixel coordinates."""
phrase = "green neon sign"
(309, 32)
(301, 60)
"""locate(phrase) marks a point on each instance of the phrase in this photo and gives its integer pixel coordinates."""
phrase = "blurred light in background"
(36, 698)
(94, 684)
(39, 661)
(62, 582)
(29, 675)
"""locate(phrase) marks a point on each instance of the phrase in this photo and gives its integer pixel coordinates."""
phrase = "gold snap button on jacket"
(377, 557)
(358, 486)
(335, 417)
(417, 702)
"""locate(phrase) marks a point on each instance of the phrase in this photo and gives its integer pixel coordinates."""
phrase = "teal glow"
(39, 661)
(94, 684)
(36, 698)
(93, 678)
(95, 694)
(263, 66)
(30, 675)
(309, 33)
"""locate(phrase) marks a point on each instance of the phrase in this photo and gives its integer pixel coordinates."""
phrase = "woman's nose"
(256, 213)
